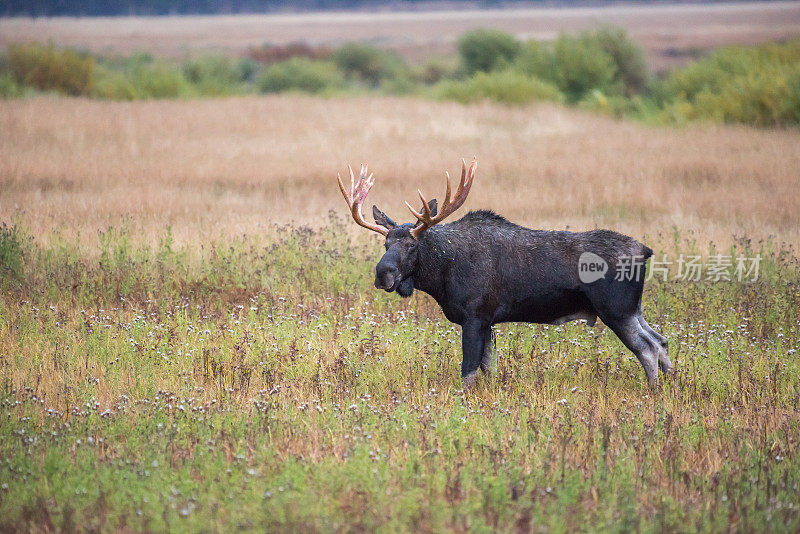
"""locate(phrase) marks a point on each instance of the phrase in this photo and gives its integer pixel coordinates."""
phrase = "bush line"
(602, 71)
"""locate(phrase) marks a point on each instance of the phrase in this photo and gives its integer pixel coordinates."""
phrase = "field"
(670, 33)
(223, 168)
(175, 356)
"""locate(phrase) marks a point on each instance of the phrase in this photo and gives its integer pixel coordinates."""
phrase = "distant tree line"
(52, 8)
(55, 8)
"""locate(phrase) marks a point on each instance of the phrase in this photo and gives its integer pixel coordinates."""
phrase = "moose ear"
(433, 206)
(382, 219)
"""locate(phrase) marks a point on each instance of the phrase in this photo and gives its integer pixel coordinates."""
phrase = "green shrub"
(368, 64)
(112, 85)
(402, 84)
(751, 85)
(300, 74)
(725, 64)
(159, 80)
(434, 71)
(50, 69)
(215, 75)
(537, 60)
(141, 77)
(485, 50)
(506, 86)
(9, 88)
(766, 97)
(586, 63)
(617, 106)
(631, 70)
(581, 65)
(247, 69)
(709, 74)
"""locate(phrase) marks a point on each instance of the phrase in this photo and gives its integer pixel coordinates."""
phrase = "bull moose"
(483, 270)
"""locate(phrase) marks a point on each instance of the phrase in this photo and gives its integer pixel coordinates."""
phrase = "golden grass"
(227, 167)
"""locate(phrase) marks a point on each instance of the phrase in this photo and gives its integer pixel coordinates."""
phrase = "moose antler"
(358, 192)
(448, 206)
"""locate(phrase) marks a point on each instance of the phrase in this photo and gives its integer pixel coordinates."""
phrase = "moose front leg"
(474, 337)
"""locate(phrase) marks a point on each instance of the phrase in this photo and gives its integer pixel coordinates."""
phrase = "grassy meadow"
(190, 339)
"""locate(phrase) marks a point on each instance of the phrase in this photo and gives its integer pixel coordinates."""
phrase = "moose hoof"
(469, 380)
(654, 385)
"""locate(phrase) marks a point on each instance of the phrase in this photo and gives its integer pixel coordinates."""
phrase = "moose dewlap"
(483, 270)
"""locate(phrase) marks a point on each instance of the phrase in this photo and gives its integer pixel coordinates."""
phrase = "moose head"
(396, 269)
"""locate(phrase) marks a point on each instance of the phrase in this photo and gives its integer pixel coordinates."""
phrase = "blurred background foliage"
(603, 71)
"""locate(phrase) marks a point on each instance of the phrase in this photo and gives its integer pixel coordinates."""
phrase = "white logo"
(591, 267)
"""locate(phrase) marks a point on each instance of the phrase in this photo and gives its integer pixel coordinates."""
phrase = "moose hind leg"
(661, 344)
(488, 363)
(631, 333)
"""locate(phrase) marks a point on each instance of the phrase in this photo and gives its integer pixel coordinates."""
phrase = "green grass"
(263, 383)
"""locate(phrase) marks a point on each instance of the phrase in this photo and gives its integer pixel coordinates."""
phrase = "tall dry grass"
(227, 167)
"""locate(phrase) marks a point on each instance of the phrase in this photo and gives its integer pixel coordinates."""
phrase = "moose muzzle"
(387, 273)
